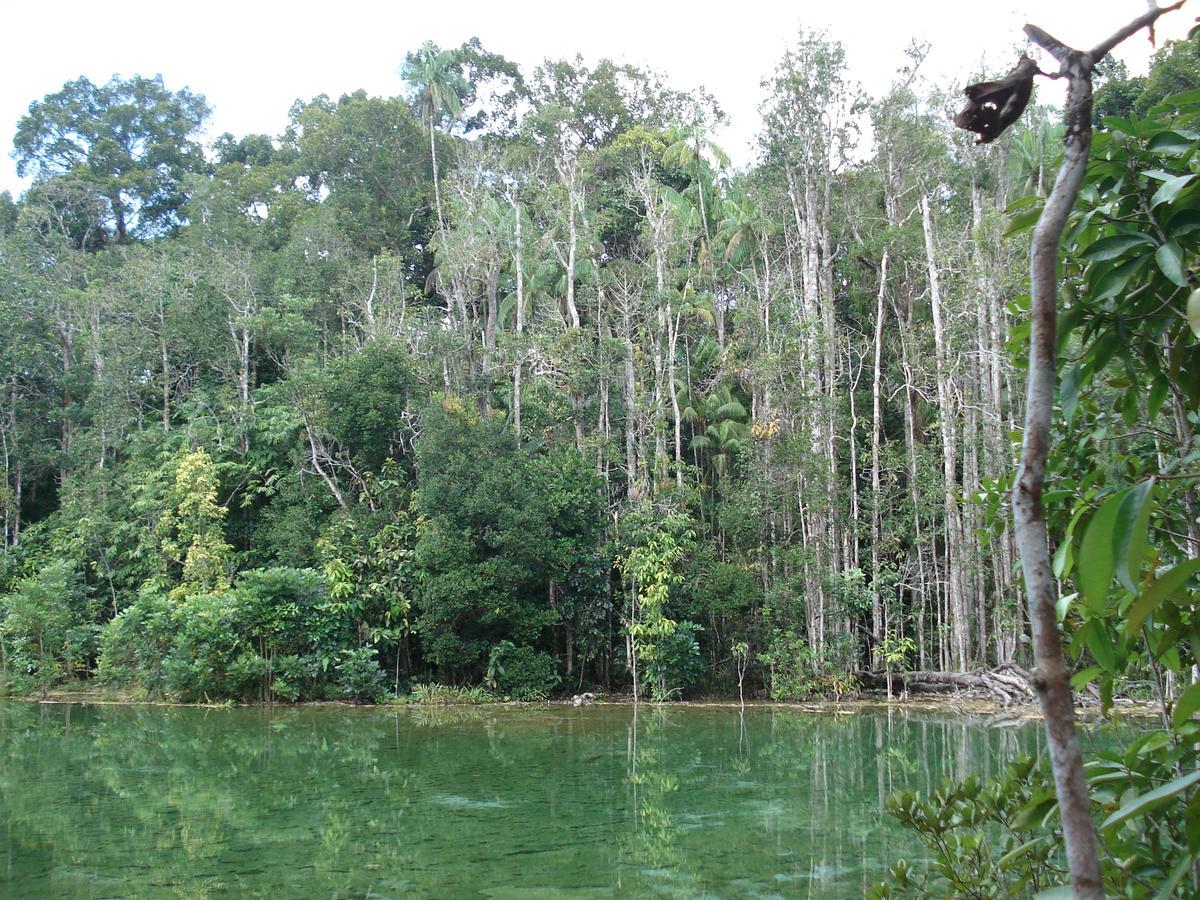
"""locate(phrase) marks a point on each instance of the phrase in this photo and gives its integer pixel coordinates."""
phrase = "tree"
(1053, 675)
(652, 566)
(133, 140)
(444, 83)
(1175, 68)
(502, 530)
(193, 540)
(366, 152)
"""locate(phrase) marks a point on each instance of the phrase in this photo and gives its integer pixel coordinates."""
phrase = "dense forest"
(511, 380)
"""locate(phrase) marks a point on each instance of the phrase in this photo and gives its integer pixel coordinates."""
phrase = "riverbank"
(958, 704)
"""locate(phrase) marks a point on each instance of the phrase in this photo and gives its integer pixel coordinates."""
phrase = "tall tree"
(133, 139)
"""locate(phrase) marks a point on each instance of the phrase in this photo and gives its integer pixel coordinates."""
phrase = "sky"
(252, 59)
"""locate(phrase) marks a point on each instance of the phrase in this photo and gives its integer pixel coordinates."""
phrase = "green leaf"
(1170, 189)
(1064, 600)
(1069, 392)
(1062, 892)
(1161, 588)
(1183, 222)
(1112, 247)
(1139, 805)
(1129, 406)
(1096, 561)
(1170, 261)
(1129, 534)
(1183, 98)
(1114, 281)
(1158, 393)
(1023, 221)
(1193, 312)
(1187, 704)
(1101, 645)
(1012, 855)
(1181, 868)
(1085, 677)
(1171, 143)
(1062, 563)
(1116, 123)
(1023, 202)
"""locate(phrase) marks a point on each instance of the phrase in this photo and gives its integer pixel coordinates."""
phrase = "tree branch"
(1146, 20)
(1052, 675)
(1049, 43)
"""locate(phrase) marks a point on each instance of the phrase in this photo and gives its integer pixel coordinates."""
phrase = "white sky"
(251, 59)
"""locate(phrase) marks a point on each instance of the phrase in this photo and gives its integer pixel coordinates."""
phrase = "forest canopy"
(510, 379)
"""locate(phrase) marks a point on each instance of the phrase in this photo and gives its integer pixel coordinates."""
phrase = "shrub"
(36, 623)
(798, 673)
(449, 695)
(521, 672)
(358, 674)
(134, 645)
(261, 639)
(984, 840)
(205, 662)
(675, 664)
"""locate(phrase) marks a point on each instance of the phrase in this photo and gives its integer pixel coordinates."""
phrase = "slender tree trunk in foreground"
(1052, 675)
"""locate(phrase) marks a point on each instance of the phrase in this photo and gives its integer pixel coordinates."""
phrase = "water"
(118, 801)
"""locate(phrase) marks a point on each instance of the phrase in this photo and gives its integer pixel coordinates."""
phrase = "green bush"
(449, 695)
(796, 672)
(206, 662)
(262, 639)
(293, 677)
(42, 632)
(135, 644)
(521, 672)
(358, 674)
(676, 664)
(984, 840)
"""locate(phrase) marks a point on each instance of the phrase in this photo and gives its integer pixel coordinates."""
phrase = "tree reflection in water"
(680, 800)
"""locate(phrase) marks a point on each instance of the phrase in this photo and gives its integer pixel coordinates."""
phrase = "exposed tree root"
(1007, 683)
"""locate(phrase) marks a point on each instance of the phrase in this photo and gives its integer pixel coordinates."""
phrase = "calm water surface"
(114, 801)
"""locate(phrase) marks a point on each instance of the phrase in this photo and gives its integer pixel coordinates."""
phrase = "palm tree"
(1036, 150)
(687, 151)
(725, 434)
(438, 84)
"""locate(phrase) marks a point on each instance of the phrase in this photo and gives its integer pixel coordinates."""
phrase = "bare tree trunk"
(672, 341)
(959, 623)
(519, 363)
(876, 438)
(570, 176)
(625, 296)
(437, 191)
(852, 548)
(1052, 673)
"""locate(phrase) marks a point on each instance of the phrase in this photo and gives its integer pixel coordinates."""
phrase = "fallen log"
(1007, 683)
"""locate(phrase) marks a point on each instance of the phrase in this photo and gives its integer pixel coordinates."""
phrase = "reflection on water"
(102, 801)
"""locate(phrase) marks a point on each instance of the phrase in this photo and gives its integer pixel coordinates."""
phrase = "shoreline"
(959, 705)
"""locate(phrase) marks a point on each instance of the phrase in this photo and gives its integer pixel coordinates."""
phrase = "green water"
(111, 801)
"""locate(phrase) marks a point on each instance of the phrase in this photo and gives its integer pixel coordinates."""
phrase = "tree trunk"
(519, 362)
(959, 619)
(876, 463)
(1053, 675)
(437, 191)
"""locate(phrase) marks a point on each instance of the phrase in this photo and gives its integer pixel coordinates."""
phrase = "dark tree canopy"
(134, 140)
